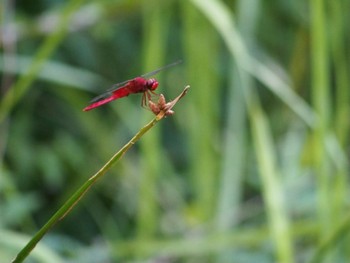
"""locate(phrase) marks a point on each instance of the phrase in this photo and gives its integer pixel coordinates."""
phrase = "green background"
(253, 166)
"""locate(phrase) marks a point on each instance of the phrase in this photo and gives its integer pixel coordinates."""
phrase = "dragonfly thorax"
(152, 84)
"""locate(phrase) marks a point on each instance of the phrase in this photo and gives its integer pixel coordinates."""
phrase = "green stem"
(75, 198)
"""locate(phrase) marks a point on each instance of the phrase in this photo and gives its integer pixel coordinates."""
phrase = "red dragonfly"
(136, 85)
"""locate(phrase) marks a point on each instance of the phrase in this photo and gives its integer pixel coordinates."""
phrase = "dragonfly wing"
(110, 91)
(149, 74)
(117, 86)
(123, 84)
(124, 89)
(101, 97)
(108, 97)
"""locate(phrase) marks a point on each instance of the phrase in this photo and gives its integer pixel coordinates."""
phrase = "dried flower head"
(165, 107)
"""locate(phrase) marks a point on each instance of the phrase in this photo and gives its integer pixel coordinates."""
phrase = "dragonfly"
(142, 84)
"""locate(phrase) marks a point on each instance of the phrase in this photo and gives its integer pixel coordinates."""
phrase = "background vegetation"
(253, 167)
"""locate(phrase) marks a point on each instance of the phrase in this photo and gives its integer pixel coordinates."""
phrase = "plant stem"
(76, 197)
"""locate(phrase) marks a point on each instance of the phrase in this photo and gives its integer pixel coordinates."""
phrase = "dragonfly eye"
(152, 84)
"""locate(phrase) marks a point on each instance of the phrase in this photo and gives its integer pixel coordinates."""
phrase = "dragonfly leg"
(154, 93)
(147, 96)
(143, 100)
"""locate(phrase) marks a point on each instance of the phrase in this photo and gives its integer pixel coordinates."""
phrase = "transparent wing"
(160, 69)
(112, 89)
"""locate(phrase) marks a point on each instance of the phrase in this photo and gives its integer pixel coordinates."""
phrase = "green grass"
(253, 166)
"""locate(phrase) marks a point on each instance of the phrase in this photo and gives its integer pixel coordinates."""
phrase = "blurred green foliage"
(253, 167)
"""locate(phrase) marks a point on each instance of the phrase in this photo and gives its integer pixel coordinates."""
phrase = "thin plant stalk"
(77, 196)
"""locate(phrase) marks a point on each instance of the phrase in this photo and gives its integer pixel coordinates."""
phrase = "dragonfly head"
(152, 84)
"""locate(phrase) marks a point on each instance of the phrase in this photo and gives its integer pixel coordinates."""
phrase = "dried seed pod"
(154, 107)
